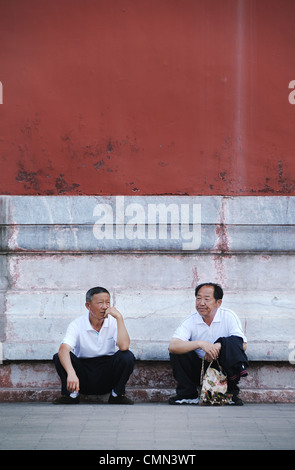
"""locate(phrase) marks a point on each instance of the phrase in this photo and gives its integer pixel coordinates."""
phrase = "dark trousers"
(98, 375)
(187, 372)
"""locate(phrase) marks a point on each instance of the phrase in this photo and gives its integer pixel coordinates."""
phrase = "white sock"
(114, 393)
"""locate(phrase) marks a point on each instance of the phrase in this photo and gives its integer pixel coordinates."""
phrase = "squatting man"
(94, 357)
(212, 333)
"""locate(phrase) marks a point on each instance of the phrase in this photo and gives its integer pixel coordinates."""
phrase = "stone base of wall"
(151, 381)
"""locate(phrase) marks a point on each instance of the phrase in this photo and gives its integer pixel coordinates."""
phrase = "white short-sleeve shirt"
(87, 342)
(225, 323)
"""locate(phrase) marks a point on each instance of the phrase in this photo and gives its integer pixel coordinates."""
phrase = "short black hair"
(95, 290)
(218, 291)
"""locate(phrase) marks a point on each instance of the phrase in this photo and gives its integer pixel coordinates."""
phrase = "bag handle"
(202, 370)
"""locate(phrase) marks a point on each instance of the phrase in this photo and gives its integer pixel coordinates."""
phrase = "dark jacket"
(233, 358)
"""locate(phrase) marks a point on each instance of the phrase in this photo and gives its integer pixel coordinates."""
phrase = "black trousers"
(187, 372)
(98, 375)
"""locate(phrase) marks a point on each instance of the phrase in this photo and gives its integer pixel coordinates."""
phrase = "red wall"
(147, 97)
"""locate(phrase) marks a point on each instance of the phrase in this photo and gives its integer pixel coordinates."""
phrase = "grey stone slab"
(146, 427)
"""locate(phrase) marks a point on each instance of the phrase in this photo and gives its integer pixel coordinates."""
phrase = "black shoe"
(66, 400)
(179, 400)
(120, 400)
(236, 401)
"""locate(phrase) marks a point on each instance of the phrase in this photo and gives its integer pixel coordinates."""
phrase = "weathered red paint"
(150, 382)
(147, 97)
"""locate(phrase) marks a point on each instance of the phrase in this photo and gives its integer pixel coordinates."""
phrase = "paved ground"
(146, 426)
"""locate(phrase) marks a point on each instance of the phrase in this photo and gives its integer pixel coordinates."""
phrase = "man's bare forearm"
(65, 359)
(177, 346)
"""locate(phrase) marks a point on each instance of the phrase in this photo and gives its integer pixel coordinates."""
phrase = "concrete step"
(151, 381)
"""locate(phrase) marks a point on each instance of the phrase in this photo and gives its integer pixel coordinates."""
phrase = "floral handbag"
(214, 386)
